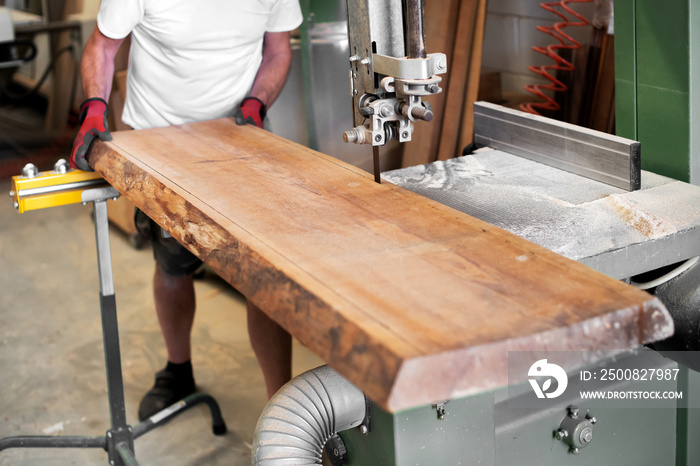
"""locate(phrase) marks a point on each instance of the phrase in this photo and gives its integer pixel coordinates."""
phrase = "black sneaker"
(167, 390)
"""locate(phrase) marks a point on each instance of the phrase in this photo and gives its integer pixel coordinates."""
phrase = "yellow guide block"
(51, 189)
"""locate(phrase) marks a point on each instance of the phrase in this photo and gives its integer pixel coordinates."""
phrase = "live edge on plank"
(410, 300)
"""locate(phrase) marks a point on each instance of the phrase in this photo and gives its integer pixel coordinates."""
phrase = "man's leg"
(173, 291)
(175, 307)
(273, 348)
(175, 304)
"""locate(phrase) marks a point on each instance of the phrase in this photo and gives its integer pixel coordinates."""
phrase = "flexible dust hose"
(298, 421)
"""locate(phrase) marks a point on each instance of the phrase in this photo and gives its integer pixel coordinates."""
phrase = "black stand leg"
(162, 417)
(120, 437)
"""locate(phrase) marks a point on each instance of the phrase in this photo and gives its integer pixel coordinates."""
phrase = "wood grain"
(410, 300)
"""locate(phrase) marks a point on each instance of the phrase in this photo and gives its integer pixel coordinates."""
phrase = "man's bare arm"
(273, 71)
(97, 65)
(96, 71)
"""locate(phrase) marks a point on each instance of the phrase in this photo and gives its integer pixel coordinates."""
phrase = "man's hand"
(93, 122)
(252, 111)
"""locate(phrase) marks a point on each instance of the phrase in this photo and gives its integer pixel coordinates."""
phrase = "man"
(189, 61)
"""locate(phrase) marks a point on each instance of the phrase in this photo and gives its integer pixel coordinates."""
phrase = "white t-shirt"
(191, 60)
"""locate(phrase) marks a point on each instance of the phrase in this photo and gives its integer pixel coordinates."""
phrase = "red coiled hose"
(565, 42)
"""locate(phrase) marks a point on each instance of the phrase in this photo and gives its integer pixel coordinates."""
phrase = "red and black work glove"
(252, 111)
(93, 122)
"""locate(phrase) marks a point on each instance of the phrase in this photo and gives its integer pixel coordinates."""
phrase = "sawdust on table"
(650, 225)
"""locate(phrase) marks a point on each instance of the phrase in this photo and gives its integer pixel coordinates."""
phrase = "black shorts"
(172, 257)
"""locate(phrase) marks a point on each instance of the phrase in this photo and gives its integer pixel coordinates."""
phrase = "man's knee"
(172, 258)
(172, 283)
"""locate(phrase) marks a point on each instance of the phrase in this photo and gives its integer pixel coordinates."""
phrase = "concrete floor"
(52, 378)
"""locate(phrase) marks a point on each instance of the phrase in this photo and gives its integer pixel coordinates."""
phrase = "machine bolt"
(378, 138)
(30, 171)
(358, 135)
(386, 110)
(364, 430)
(432, 88)
(354, 58)
(574, 450)
(573, 412)
(350, 136)
(586, 435)
(561, 434)
(12, 194)
(422, 113)
(366, 111)
(441, 412)
(441, 65)
(439, 407)
(16, 205)
(591, 418)
(364, 61)
(61, 166)
(354, 92)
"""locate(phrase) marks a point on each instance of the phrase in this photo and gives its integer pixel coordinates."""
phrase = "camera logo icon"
(542, 369)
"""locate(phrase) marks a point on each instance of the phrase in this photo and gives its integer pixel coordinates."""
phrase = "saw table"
(612, 230)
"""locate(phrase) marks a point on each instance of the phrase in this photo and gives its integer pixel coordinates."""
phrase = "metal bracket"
(120, 443)
(410, 68)
(441, 411)
(99, 194)
(576, 430)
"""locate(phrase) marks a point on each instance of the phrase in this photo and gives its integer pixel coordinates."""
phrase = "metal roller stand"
(118, 442)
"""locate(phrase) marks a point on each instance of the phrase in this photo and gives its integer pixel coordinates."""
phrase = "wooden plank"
(440, 31)
(121, 212)
(591, 74)
(490, 88)
(599, 156)
(456, 85)
(604, 93)
(466, 135)
(412, 301)
(578, 85)
(63, 78)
